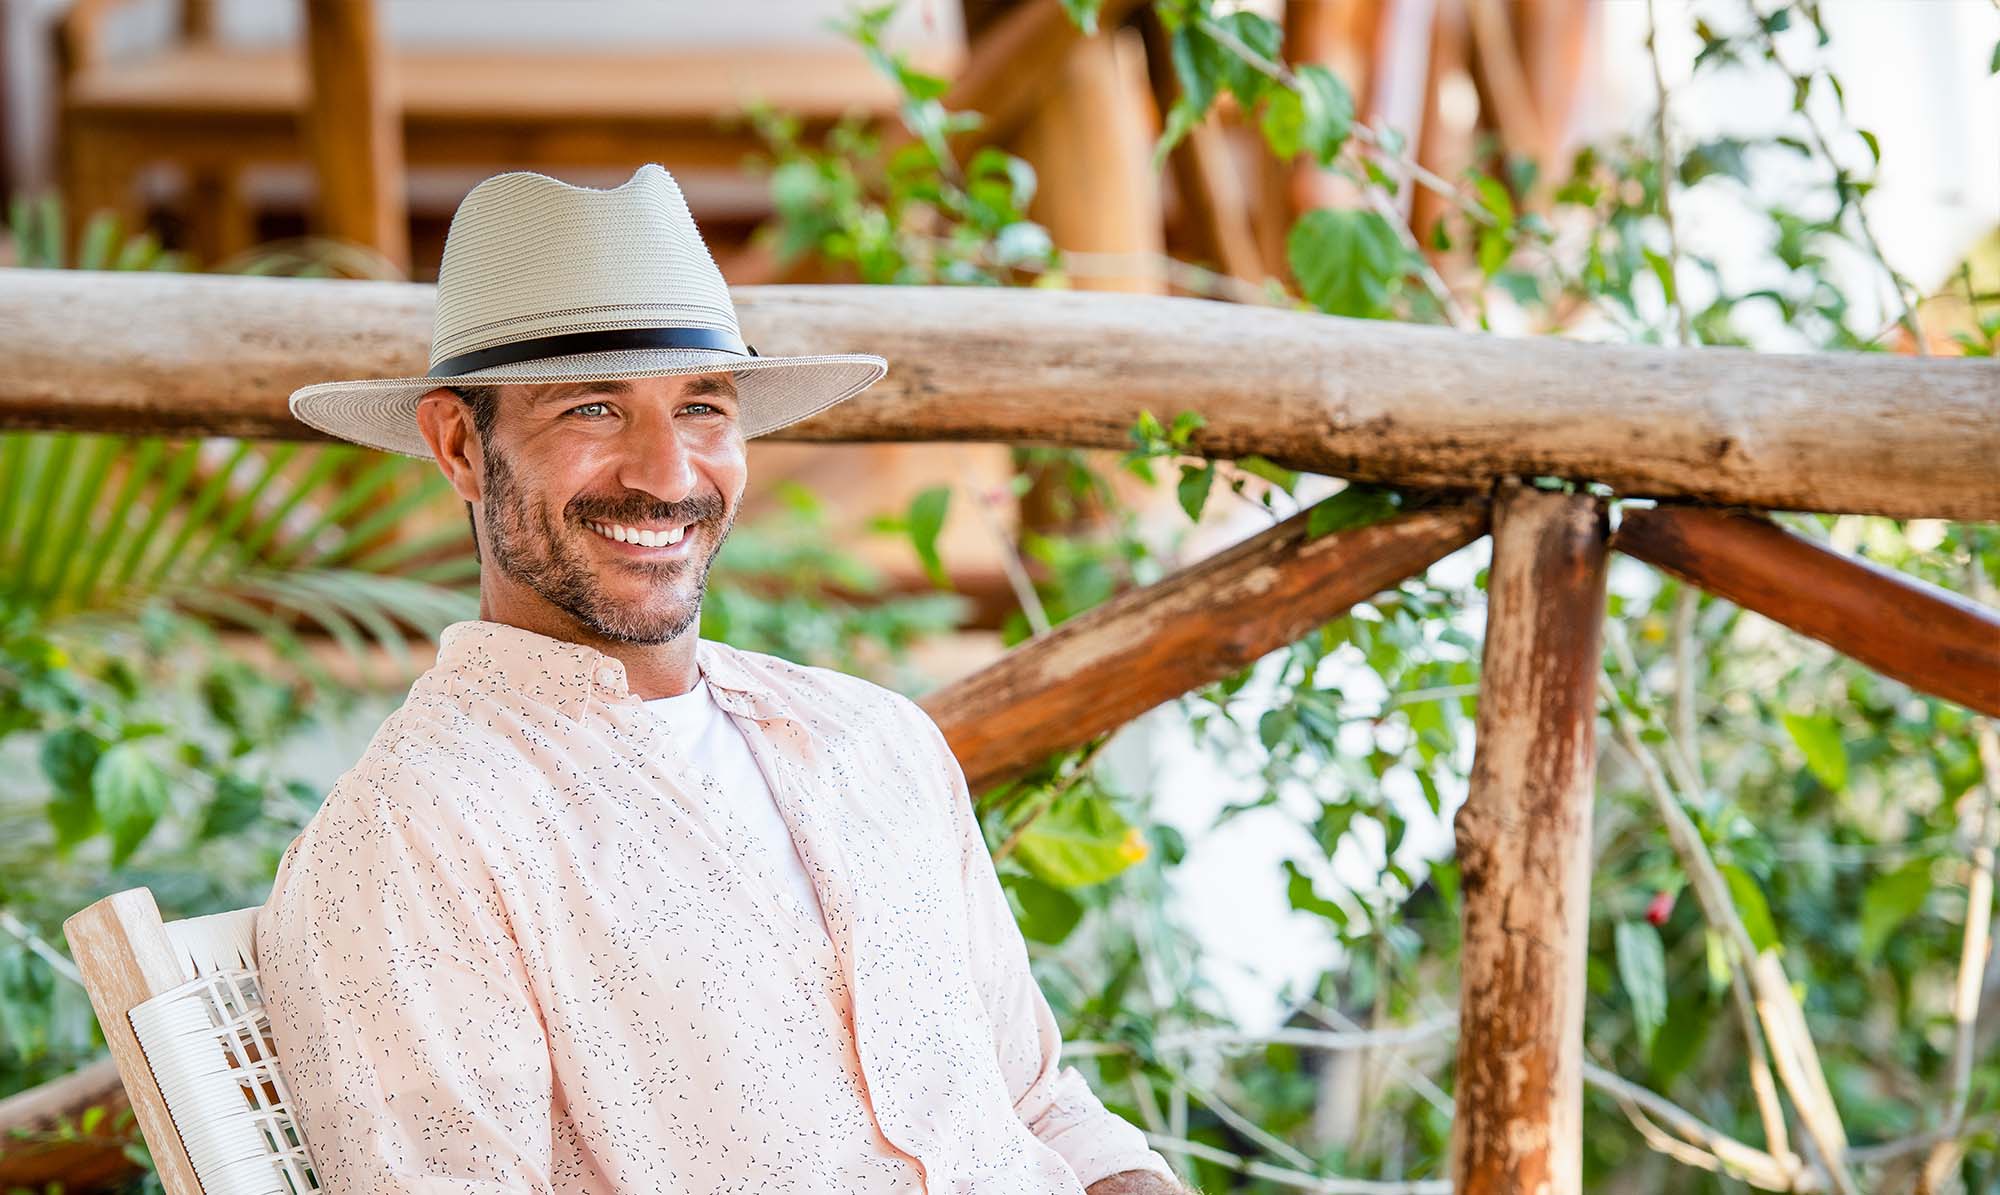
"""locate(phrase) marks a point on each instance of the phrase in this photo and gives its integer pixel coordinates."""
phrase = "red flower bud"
(1660, 908)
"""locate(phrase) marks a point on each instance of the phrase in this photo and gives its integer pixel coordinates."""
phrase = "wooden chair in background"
(347, 98)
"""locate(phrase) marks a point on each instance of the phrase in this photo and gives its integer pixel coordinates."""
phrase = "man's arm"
(411, 1043)
(1108, 1154)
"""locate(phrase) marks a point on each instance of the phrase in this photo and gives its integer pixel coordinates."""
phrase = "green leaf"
(926, 519)
(1724, 155)
(68, 757)
(1080, 840)
(1751, 907)
(1083, 13)
(1285, 479)
(1315, 118)
(1182, 117)
(1494, 198)
(1678, 1043)
(1664, 271)
(1332, 823)
(1642, 969)
(237, 805)
(1494, 250)
(1444, 876)
(1199, 62)
(1347, 262)
(1355, 506)
(1193, 488)
(1818, 737)
(1891, 899)
(1264, 37)
(1048, 914)
(1300, 892)
(131, 793)
(1185, 424)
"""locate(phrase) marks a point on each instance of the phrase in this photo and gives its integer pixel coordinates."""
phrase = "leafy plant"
(1832, 803)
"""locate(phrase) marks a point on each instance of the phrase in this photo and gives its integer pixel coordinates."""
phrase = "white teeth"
(632, 535)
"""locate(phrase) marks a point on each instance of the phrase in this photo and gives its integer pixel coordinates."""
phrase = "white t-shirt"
(734, 789)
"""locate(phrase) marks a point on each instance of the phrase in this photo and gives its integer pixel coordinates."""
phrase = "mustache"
(705, 508)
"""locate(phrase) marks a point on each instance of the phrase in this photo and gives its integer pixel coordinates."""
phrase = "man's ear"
(446, 424)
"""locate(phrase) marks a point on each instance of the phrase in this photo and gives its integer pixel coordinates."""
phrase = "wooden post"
(1524, 850)
(1089, 142)
(354, 126)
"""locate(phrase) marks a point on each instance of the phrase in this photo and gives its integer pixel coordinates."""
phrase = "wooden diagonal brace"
(1104, 667)
(1929, 638)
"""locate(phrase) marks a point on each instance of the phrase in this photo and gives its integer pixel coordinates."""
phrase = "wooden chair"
(181, 1009)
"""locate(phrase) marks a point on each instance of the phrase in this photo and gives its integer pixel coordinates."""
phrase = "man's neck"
(651, 669)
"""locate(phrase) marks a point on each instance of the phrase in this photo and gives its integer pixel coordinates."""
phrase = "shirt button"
(607, 675)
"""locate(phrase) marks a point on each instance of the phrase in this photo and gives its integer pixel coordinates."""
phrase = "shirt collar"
(567, 674)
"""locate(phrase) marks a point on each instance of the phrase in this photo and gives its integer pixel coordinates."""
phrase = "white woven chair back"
(209, 1045)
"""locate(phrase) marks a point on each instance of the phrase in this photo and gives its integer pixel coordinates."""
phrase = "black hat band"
(607, 340)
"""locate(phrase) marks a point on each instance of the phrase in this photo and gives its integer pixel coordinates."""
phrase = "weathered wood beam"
(1112, 663)
(1524, 850)
(1366, 399)
(87, 1162)
(1929, 638)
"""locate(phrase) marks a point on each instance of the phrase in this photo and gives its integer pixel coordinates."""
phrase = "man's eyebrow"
(549, 394)
(710, 384)
(707, 385)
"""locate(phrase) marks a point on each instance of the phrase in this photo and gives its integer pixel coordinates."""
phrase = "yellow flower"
(1132, 847)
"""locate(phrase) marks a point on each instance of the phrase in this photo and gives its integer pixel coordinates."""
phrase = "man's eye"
(574, 410)
(711, 406)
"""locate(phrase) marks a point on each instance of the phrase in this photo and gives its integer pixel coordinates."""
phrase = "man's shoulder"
(811, 684)
(421, 763)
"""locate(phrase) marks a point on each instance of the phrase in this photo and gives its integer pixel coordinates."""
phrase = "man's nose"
(657, 460)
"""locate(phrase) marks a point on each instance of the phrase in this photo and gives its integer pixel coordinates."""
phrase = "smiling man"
(606, 907)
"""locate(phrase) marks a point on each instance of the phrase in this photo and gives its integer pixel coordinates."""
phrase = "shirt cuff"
(1095, 1141)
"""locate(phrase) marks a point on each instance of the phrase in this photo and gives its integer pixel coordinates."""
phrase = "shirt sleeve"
(413, 1047)
(1051, 1098)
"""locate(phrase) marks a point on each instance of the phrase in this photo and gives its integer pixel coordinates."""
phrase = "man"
(607, 907)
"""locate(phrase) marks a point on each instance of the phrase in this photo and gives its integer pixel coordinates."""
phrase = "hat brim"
(772, 391)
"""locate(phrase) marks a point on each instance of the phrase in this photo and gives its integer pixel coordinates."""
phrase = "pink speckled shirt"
(511, 954)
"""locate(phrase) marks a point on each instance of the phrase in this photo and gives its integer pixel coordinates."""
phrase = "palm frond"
(96, 528)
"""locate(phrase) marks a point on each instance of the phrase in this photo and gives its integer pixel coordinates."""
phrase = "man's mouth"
(640, 537)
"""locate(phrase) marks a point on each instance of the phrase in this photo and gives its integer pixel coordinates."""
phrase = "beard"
(532, 550)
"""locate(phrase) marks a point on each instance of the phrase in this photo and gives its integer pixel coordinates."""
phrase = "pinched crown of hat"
(529, 257)
(543, 281)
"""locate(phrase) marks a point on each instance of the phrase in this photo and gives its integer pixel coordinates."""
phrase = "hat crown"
(528, 255)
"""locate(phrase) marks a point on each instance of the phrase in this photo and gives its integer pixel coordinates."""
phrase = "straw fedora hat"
(543, 281)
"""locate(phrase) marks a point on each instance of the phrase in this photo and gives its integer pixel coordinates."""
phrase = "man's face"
(585, 482)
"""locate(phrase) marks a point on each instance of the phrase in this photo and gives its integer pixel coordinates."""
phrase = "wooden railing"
(1465, 418)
